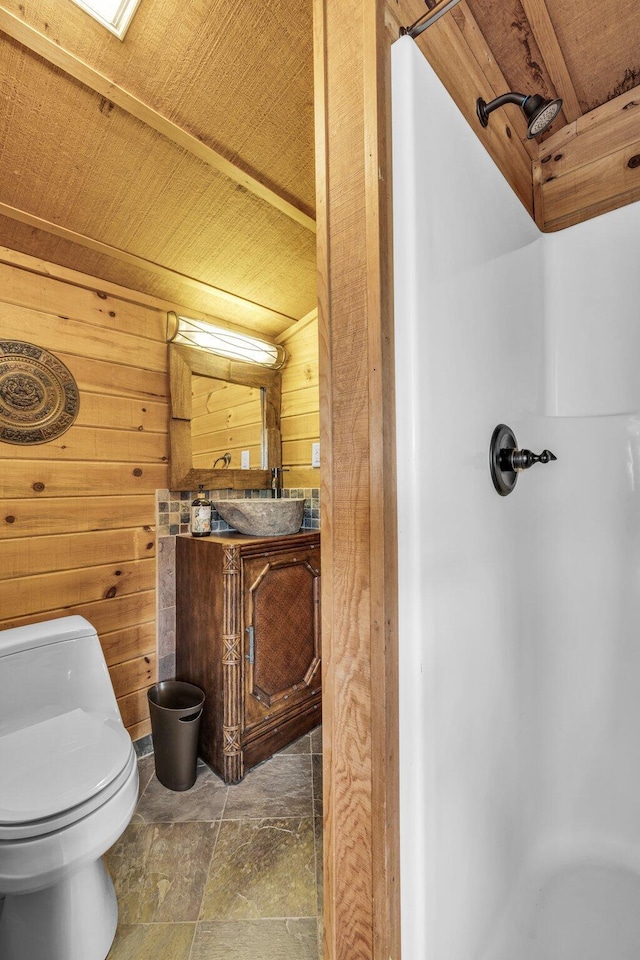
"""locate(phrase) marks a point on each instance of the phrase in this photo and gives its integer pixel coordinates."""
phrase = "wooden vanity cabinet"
(248, 634)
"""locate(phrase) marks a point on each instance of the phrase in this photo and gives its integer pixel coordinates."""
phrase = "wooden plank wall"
(78, 513)
(300, 416)
(225, 418)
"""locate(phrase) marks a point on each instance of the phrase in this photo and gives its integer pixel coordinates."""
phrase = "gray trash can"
(175, 708)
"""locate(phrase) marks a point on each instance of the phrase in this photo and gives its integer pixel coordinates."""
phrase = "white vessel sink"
(262, 518)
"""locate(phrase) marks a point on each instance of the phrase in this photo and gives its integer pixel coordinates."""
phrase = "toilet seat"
(32, 829)
(38, 862)
(61, 768)
(68, 790)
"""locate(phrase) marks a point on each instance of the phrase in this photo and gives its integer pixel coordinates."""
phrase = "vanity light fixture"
(224, 343)
(115, 15)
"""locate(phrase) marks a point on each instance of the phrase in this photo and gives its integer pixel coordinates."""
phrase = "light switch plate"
(315, 454)
(244, 460)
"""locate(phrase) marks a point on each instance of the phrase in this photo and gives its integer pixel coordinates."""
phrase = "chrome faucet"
(276, 482)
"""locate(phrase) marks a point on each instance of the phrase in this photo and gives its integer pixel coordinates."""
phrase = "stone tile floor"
(219, 871)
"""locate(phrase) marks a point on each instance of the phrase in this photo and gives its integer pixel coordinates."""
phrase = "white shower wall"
(592, 316)
(582, 630)
(517, 615)
(469, 355)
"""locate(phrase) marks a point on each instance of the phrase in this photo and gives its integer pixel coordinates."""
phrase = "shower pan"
(519, 615)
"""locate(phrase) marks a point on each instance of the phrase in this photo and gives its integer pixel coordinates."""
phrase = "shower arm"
(483, 109)
(428, 19)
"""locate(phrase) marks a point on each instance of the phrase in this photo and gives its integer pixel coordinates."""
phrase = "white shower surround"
(519, 616)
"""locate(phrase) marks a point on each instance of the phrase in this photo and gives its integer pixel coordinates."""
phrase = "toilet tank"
(50, 668)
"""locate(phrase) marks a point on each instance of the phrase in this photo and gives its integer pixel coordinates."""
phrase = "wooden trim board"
(57, 230)
(590, 166)
(360, 707)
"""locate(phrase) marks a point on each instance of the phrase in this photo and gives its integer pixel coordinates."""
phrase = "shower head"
(540, 113)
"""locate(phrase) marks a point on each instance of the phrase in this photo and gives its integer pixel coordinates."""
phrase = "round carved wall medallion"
(39, 398)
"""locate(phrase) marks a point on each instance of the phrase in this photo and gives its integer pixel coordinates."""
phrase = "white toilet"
(68, 788)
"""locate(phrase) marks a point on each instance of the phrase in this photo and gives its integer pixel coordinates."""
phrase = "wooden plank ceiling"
(180, 162)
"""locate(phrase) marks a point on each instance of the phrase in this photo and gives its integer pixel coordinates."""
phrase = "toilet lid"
(58, 763)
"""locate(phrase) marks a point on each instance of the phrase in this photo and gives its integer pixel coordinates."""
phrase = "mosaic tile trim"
(174, 508)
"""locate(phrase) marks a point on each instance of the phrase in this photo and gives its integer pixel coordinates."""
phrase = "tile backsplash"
(174, 508)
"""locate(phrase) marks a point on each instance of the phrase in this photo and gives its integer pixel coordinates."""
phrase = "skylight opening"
(115, 15)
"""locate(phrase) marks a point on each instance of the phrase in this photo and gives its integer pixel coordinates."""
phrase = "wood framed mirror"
(185, 363)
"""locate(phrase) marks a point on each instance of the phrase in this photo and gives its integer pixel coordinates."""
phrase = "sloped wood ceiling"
(180, 161)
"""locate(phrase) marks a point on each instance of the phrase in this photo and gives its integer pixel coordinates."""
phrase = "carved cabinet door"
(281, 636)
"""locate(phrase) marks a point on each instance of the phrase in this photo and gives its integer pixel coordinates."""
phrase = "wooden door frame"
(352, 41)
(359, 537)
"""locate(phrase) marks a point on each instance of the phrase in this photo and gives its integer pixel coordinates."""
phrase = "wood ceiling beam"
(617, 116)
(41, 45)
(547, 39)
(55, 271)
(591, 166)
(149, 266)
(298, 326)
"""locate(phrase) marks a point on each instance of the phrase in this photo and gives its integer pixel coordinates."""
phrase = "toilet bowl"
(68, 789)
